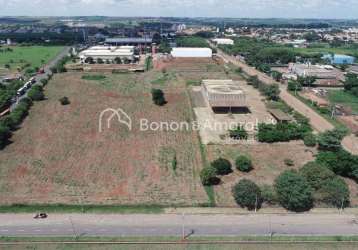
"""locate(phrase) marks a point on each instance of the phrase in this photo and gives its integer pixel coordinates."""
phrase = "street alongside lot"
(176, 224)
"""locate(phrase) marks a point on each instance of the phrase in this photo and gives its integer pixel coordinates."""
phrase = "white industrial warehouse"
(192, 52)
(223, 41)
(107, 53)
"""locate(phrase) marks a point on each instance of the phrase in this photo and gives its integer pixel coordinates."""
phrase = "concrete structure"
(107, 53)
(192, 52)
(224, 94)
(223, 41)
(339, 59)
(353, 69)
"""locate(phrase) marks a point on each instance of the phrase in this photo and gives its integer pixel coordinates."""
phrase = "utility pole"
(183, 226)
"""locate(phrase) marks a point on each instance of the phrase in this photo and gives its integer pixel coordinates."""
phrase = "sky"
(334, 9)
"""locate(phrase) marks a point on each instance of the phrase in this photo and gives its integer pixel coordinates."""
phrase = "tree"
(316, 174)
(335, 192)
(310, 140)
(293, 191)
(208, 176)
(89, 60)
(36, 93)
(64, 100)
(351, 81)
(294, 86)
(238, 134)
(222, 166)
(272, 92)
(277, 75)
(100, 61)
(247, 194)
(330, 140)
(243, 163)
(5, 134)
(117, 60)
(158, 97)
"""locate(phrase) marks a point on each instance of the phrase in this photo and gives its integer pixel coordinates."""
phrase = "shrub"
(335, 192)
(281, 132)
(5, 134)
(316, 174)
(238, 134)
(243, 163)
(330, 140)
(222, 166)
(247, 194)
(158, 97)
(36, 94)
(310, 140)
(64, 100)
(289, 162)
(208, 176)
(269, 195)
(293, 191)
(44, 82)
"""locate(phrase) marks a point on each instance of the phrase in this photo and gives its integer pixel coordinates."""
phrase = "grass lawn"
(343, 98)
(34, 55)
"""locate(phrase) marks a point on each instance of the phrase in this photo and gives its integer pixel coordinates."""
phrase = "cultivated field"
(58, 156)
(36, 56)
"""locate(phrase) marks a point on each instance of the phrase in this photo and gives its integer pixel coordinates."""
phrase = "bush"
(222, 166)
(293, 191)
(340, 162)
(64, 100)
(5, 134)
(36, 94)
(158, 97)
(335, 192)
(289, 162)
(269, 195)
(243, 163)
(331, 140)
(44, 82)
(208, 176)
(310, 140)
(238, 134)
(281, 132)
(247, 194)
(315, 174)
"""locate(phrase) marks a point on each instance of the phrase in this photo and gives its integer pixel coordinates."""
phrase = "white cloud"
(232, 8)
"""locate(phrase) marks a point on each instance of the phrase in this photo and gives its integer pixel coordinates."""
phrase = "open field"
(21, 56)
(58, 156)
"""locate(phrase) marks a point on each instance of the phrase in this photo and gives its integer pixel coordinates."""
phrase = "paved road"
(47, 70)
(173, 225)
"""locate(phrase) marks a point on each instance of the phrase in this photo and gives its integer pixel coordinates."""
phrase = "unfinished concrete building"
(224, 96)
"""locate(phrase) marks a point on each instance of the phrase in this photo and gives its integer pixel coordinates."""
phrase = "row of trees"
(271, 91)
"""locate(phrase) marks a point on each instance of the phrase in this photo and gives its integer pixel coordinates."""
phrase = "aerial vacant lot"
(58, 156)
(20, 56)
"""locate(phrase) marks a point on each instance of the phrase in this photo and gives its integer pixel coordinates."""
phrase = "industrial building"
(339, 59)
(192, 52)
(309, 70)
(130, 41)
(223, 41)
(224, 94)
(108, 54)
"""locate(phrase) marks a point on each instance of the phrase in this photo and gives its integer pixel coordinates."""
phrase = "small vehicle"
(40, 216)
(32, 79)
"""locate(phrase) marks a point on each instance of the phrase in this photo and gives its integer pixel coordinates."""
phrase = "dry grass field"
(58, 156)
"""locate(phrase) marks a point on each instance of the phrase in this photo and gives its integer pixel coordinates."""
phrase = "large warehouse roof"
(192, 52)
(127, 40)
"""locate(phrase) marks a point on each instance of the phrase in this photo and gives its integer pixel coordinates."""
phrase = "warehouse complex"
(192, 52)
(129, 41)
(107, 54)
(223, 94)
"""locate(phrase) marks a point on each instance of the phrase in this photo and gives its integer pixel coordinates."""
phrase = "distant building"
(131, 41)
(192, 52)
(353, 69)
(223, 41)
(309, 70)
(339, 59)
(107, 53)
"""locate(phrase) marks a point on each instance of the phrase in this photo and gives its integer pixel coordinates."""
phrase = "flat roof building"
(309, 70)
(192, 52)
(224, 94)
(339, 59)
(223, 41)
(134, 41)
(107, 53)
